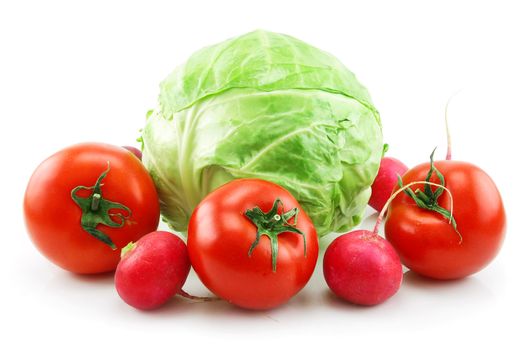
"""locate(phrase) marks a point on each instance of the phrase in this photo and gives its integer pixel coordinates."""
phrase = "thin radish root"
(186, 295)
(449, 140)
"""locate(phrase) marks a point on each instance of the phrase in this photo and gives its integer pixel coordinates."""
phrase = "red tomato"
(221, 234)
(425, 240)
(87, 240)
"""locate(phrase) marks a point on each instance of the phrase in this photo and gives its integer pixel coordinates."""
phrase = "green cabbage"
(268, 106)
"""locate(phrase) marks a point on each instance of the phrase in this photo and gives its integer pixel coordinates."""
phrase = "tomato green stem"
(96, 211)
(271, 224)
(402, 189)
(95, 201)
(426, 199)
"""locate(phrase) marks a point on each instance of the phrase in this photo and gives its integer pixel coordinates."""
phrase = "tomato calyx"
(96, 210)
(271, 224)
(428, 199)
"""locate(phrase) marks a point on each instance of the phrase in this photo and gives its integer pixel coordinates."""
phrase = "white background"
(72, 72)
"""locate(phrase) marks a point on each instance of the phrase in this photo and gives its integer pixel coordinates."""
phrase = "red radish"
(385, 181)
(135, 151)
(152, 270)
(361, 266)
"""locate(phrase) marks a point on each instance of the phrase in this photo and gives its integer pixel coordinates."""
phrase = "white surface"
(71, 72)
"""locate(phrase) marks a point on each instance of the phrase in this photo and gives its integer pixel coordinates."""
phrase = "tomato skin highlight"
(220, 236)
(53, 219)
(428, 244)
(154, 271)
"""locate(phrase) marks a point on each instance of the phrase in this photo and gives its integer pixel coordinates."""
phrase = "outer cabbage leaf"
(267, 106)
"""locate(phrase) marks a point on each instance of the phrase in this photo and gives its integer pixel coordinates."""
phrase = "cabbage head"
(268, 106)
